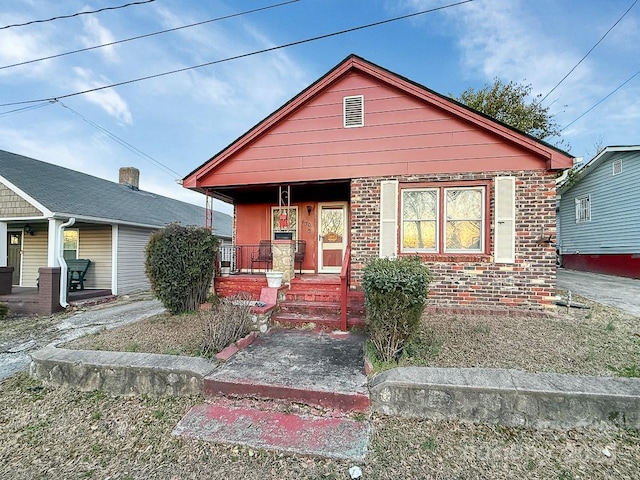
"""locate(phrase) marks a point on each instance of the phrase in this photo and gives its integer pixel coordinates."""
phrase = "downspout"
(63, 264)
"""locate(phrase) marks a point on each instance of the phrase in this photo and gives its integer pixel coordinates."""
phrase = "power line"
(587, 54)
(75, 14)
(149, 34)
(244, 55)
(172, 173)
(602, 100)
(25, 109)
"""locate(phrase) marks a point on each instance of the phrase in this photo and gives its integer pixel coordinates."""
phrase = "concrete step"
(325, 370)
(321, 322)
(262, 425)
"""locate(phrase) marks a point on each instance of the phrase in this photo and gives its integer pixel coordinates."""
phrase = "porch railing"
(240, 256)
(344, 287)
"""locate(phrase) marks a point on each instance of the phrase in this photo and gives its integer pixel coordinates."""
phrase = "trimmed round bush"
(395, 296)
(180, 265)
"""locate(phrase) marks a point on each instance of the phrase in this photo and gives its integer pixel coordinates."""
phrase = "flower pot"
(274, 279)
(225, 268)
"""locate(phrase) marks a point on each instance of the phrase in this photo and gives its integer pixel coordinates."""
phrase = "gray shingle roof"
(66, 191)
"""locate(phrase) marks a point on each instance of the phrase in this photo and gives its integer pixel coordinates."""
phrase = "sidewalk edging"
(508, 397)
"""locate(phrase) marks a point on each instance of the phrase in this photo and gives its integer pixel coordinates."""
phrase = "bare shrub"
(226, 322)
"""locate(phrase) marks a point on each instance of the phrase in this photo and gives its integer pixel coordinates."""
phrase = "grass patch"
(632, 371)
(599, 341)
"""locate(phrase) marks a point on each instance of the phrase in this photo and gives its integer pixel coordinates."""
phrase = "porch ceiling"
(339, 190)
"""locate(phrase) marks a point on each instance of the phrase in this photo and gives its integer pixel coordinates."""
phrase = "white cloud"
(107, 99)
(96, 34)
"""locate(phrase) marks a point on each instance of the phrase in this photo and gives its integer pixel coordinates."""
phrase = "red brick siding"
(474, 281)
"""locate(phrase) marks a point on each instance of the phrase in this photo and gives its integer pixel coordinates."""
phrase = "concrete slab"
(233, 423)
(619, 292)
(301, 366)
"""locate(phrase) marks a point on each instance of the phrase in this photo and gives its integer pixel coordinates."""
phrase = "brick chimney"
(130, 176)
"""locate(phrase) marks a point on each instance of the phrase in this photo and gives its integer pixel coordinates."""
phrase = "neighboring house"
(112, 222)
(374, 164)
(599, 214)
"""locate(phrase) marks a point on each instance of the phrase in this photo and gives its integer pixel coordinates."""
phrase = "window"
(70, 242)
(284, 221)
(617, 167)
(443, 220)
(583, 209)
(353, 111)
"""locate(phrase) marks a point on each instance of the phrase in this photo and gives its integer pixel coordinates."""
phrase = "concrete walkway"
(619, 292)
(14, 354)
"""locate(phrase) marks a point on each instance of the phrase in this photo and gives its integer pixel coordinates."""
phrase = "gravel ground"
(52, 432)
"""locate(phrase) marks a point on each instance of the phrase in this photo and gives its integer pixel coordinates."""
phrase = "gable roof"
(63, 192)
(554, 158)
(586, 168)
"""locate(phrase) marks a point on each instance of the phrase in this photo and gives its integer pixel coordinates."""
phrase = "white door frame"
(345, 236)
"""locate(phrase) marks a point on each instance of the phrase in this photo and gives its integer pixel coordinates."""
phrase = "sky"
(169, 125)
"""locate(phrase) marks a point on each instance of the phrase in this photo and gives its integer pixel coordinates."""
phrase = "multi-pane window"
(443, 220)
(583, 209)
(617, 167)
(70, 249)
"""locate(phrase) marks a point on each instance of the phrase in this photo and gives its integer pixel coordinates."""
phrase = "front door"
(332, 236)
(14, 250)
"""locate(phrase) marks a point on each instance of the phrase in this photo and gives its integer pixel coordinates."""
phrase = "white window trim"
(618, 164)
(580, 209)
(437, 220)
(482, 220)
(78, 244)
(344, 111)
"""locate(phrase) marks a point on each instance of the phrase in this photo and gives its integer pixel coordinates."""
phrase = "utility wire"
(24, 109)
(149, 34)
(244, 55)
(172, 173)
(587, 54)
(602, 100)
(75, 14)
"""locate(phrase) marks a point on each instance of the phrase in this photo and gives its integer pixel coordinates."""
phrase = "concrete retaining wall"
(508, 397)
(121, 373)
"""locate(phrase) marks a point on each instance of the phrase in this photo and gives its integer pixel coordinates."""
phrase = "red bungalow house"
(366, 163)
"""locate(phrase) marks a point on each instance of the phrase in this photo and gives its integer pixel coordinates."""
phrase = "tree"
(511, 103)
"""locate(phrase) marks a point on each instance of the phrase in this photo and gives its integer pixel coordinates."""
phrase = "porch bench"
(76, 271)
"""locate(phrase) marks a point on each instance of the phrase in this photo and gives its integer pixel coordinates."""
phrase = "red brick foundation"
(49, 291)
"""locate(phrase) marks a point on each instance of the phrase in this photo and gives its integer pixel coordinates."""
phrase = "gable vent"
(353, 111)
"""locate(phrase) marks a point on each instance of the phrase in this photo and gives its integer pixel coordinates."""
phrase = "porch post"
(52, 243)
(3, 244)
(283, 253)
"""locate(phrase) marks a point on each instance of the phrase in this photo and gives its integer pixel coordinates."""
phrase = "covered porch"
(302, 230)
(27, 300)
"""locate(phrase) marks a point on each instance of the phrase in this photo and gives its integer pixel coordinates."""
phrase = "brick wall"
(475, 281)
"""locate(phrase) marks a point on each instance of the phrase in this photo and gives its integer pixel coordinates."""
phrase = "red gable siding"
(402, 135)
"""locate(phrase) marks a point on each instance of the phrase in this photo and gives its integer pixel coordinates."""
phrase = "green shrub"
(395, 296)
(4, 311)
(180, 265)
